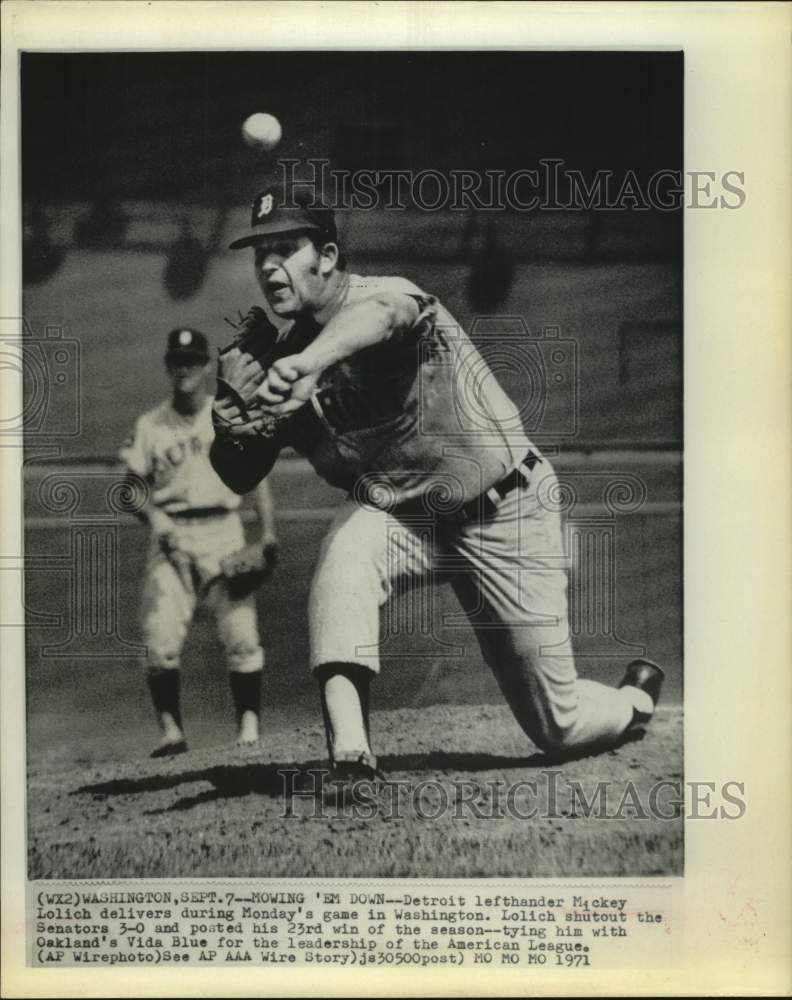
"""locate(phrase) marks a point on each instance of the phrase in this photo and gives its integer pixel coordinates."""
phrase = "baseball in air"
(261, 131)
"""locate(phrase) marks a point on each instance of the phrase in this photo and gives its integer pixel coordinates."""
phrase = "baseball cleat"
(170, 749)
(351, 768)
(352, 781)
(247, 741)
(248, 734)
(647, 677)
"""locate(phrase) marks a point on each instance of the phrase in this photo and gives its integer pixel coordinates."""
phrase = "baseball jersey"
(170, 450)
(420, 410)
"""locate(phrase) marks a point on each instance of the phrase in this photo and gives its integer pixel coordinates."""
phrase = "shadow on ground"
(287, 780)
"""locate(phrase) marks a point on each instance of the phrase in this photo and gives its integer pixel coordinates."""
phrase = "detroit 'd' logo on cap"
(185, 338)
(265, 206)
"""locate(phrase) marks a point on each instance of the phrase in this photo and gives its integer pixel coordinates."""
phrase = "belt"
(520, 475)
(486, 503)
(198, 513)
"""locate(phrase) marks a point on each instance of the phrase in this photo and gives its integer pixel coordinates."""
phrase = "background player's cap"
(278, 209)
(186, 344)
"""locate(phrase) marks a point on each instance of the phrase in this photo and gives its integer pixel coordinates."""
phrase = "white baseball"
(262, 131)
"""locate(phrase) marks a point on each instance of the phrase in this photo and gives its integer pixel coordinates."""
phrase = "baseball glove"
(245, 570)
(241, 368)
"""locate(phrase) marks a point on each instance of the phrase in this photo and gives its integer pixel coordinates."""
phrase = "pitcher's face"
(288, 271)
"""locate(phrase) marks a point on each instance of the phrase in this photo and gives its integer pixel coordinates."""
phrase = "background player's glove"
(241, 368)
(244, 571)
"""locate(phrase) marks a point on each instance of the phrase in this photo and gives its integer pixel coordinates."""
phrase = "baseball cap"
(187, 344)
(278, 209)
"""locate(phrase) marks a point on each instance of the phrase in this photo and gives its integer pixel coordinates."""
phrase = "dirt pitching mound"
(465, 795)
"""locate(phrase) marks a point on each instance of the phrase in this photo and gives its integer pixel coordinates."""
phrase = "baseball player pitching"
(197, 548)
(377, 385)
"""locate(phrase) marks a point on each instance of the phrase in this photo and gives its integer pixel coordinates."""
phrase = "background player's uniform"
(442, 479)
(170, 451)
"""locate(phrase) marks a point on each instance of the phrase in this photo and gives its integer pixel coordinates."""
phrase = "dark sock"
(165, 688)
(246, 692)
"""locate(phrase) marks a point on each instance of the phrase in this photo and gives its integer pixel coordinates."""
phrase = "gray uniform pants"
(510, 574)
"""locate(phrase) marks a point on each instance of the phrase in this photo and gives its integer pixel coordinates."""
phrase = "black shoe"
(170, 749)
(648, 677)
(353, 782)
(352, 768)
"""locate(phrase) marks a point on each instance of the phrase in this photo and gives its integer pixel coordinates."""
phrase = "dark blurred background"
(135, 178)
(166, 125)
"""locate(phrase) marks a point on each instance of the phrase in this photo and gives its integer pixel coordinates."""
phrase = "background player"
(380, 388)
(197, 542)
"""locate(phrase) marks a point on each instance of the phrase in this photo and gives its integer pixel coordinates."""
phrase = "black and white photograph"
(418, 525)
(354, 490)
